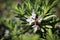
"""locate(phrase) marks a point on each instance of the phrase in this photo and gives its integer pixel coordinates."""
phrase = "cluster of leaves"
(18, 27)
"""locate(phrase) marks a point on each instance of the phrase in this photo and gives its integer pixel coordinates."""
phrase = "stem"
(35, 21)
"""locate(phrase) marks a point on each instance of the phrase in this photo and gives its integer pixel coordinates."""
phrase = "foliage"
(19, 29)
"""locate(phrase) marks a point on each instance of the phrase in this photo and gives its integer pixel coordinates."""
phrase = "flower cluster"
(34, 19)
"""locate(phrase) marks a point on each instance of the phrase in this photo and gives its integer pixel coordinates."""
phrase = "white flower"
(30, 20)
(33, 15)
(35, 27)
(6, 33)
(39, 19)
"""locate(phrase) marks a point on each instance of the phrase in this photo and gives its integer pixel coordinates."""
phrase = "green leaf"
(42, 30)
(14, 6)
(49, 17)
(8, 23)
(49, 35)
(28, 5)
(48, 26)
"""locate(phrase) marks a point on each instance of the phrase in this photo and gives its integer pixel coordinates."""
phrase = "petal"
(31, 21)
(34, 17)
(33, 14)
(39, 19)
(35, 27)
(27, 20)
